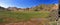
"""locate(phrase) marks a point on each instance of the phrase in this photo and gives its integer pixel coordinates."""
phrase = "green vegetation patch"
(22, 16)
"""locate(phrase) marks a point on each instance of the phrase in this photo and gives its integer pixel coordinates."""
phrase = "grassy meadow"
(40, 15)
(9, 16)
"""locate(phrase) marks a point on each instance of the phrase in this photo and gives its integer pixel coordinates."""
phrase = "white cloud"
(3, 5)
(56, 4)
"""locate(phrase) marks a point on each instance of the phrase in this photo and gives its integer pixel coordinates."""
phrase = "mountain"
(45, 7)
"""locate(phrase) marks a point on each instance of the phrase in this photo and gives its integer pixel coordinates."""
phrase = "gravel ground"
(35, 22)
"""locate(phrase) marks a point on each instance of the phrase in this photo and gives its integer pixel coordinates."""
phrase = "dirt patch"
(33, 21)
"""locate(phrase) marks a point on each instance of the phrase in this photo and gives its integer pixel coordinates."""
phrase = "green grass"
(22, 16)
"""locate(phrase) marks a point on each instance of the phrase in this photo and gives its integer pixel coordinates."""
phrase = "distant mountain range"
(36, 8)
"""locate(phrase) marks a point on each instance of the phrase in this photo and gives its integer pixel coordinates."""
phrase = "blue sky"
(25, 3)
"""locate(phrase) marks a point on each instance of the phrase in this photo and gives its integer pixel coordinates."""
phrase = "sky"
(25, 3)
